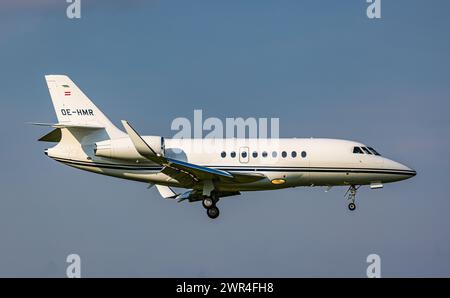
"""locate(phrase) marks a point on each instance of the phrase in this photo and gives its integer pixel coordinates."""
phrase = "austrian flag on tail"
(66, 93)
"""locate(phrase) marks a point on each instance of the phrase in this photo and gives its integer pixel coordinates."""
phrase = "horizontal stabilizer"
(67, 125)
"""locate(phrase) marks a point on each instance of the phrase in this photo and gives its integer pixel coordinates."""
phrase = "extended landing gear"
(351, 196)
(209, 204)
(213, 212)
(352, 206)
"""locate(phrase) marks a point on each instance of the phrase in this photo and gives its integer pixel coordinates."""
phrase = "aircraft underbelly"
(291, 179)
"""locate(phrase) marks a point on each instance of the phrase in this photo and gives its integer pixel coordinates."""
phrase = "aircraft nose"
(393, 165)
(411, 171)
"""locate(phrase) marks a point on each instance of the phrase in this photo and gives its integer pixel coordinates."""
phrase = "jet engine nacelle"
(123, 148)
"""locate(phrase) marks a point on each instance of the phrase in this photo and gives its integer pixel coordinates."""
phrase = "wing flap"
(202, 173)
(183, 178)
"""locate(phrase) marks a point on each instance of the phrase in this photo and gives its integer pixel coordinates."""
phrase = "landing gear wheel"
(351, 206)
(208, 202)
(213, 212)
(351, 196)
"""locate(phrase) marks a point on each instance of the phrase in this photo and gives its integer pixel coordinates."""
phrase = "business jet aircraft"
(86, 139)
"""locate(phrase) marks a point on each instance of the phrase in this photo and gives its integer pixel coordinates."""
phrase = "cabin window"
(303, 154)
(284, 154)
(366, 150)
(294, 154)
(357, 150)
(223, 154)
(244, 154)
(374, 151)
(274, 154)
(233, 154)
(264, 154)
(255, 154)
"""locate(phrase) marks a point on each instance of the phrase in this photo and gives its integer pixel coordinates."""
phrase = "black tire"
(351, 206)
(207, 202)
(213, 212)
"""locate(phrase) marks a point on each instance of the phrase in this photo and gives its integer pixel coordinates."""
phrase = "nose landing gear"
(351, 196)
(351, 206)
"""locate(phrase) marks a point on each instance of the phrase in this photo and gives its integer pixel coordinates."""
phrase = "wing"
(187, 174)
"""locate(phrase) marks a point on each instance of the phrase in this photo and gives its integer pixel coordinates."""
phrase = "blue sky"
(322, 67)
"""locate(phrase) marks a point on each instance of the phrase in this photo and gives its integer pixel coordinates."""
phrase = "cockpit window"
(357, 150)
(374, 151)
(366, 150)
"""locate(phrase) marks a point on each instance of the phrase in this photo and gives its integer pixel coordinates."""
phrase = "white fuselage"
(316, 162)
(209, 169)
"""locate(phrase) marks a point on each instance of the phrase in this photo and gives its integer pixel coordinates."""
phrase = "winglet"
(141, 146)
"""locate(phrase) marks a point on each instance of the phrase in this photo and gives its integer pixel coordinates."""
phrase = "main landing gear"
(209, 204)
(213, 212)
(351, 196)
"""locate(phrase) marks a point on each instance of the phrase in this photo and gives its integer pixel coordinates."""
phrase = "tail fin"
(74, 108)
